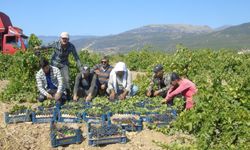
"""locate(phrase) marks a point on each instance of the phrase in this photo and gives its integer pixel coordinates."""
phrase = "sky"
(109, 17)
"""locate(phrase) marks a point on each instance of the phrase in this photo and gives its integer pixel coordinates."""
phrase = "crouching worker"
(102, 72)
(120, 83)
(181, 86)
(50, 83)
(85, 85)
(161, 81)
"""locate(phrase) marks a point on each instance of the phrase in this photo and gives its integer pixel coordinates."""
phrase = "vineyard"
(220, 119)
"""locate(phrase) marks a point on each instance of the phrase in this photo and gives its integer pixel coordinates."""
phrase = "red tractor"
(11, 38)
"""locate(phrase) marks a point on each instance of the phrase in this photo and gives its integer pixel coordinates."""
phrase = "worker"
(120, 83)
(181, 86)
(103, 70)
(161, 81)
(85, 85)
(50, 83)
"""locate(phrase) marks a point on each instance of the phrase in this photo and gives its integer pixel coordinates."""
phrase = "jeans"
(60, 102)
(65, 74)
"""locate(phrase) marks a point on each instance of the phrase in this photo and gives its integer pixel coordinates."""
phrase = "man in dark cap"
(160, 80)
(85, 85)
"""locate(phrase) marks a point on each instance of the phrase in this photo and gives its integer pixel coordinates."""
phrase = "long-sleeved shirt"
(102, 74)
(119, 82)
(60, 56)
(162, 84)
(186, 88)
(56, 79)
(88, 84)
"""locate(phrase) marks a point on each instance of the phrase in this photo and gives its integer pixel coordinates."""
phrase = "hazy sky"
(105, 17)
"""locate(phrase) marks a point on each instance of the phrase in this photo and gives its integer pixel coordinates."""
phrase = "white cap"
(64, 35)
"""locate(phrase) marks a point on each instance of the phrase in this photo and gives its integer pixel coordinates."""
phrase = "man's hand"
(75, 98)
(88, 98)
(103, 86)
(156, 93)
(149, 93)
(49, 96)
(58, 96)
(164, 101)
(112, 95)
(123, 95)
(97, 71)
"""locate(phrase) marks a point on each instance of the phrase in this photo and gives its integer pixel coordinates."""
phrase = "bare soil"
(28, 136)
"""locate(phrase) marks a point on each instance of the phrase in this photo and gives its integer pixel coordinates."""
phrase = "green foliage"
(17, 108)
(21, 73)
(220, 119)
(34, 41)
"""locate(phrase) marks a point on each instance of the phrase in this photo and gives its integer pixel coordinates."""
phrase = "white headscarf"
(120, 66)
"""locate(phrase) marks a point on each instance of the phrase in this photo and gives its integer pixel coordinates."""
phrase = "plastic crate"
(69, 118)
(22, 116)
(160, 119)
(75, 138)
(148, 104)
(44, 115)
(103, 134)
(94, 119)
(128, 122)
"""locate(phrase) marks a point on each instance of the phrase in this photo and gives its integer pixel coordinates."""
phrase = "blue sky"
(105, 17)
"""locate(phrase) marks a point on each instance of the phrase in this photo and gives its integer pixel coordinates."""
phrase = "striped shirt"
(102, 74)
(56, 79)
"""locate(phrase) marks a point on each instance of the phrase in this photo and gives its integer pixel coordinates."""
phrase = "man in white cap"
(60, 58)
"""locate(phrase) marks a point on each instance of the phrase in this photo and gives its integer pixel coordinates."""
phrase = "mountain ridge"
(166, 36)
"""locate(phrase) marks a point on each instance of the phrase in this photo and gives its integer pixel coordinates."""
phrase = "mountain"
(234, 37)
(159, 36)
(166, 37)
(50, 39)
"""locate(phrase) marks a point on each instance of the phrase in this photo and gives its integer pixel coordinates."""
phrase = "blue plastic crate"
(105, 141)
(159, 119)
(103, 134)
(94, 119)
(75, 138)
(44, 115)
(22, 116)
(69, 118)
(128, 122)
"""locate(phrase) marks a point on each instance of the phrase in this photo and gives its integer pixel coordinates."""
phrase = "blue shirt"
(49, 82)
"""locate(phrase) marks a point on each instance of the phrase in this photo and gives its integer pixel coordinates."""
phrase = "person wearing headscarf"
(120, 83)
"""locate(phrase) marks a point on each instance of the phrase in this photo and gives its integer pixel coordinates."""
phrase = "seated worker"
(160, 80)
(120, 83)
(85, 85)
(181, 86)
(50, 83)
(102, 71)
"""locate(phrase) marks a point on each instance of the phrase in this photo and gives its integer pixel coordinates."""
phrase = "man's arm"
(77, 82)
(110, 83)
(177, 91)
(167, 82)
(93, 85)
(40, 85)
(77, 59)
(129, 81)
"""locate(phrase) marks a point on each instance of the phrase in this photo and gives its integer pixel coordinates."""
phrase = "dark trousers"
(83, 92)
(42, 97)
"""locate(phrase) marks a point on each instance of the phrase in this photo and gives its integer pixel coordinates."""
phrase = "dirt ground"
(28, 136)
